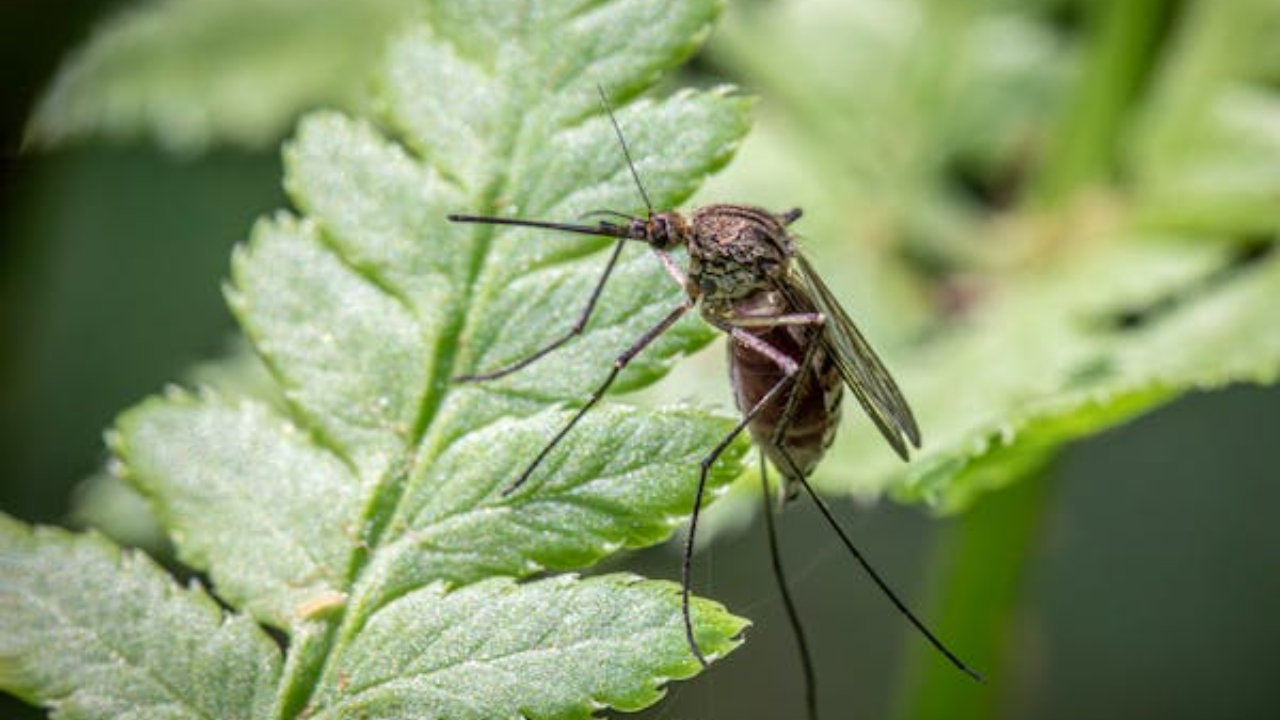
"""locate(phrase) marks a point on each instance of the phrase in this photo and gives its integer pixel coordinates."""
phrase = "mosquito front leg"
(619, 363)
(676, 273)
(668, 264)
(572, 333)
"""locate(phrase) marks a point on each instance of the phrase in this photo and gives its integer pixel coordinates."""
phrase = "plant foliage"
(359, 509)
(1052, 252)
(193, 73)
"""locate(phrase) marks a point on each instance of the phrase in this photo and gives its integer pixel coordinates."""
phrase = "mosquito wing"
(861, 369)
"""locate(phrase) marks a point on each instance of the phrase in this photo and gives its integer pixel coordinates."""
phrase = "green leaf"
(522, 650)
(1005, 320)
(360, 505)
(271, 545)
(923, 87)
(106, 503)
(1070, 351)
(90, 631)
(191, 73)
(1206, 146)
(114, 508)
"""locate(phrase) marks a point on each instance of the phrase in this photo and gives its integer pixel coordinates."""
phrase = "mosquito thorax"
(737, 250)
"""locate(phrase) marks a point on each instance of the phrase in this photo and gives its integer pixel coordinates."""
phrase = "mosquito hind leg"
(871, 572)
(788, 603)
(789, 411)
(775, 555)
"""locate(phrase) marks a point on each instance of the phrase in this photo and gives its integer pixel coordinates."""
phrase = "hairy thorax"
(735, 251)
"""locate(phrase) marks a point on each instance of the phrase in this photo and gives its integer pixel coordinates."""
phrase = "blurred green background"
(1138, 576)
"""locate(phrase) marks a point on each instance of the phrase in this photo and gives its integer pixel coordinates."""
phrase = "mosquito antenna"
(793, 616)
(604, 101)
(884, 586)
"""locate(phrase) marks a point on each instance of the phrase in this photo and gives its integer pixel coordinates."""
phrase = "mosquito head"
(666, 230)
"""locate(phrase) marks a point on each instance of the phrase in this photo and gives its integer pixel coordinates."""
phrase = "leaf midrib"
(444, 361)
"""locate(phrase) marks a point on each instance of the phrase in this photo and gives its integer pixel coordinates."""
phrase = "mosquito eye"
(660, 235)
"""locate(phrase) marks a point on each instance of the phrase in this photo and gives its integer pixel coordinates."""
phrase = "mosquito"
(792, 351)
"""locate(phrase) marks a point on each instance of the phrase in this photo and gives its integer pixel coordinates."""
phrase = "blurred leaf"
(91, 631)
(1224, 179)
(114, 508)
(1015, 328)
(192, 73)
(104, 502)
(1206, 146)
(926, 90)
(359, 506)
(899, 110)
(1069, 350)
(237, 373)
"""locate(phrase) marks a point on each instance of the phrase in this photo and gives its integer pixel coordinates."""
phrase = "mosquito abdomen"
(809, 421)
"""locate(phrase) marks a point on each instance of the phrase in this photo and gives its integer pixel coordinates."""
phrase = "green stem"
(1118, 58)
(979, 571)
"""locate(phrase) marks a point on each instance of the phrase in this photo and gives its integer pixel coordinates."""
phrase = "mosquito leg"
(789, 368)
(793, 616)
(677, 274)
(789, 472)
(619, 363)
(793, 400)
(792, 405)
(875, 576)
(790, 216)
(572, 333)
(771, 321)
